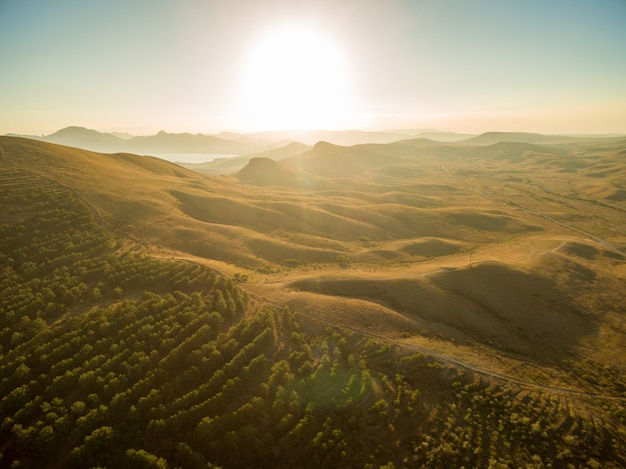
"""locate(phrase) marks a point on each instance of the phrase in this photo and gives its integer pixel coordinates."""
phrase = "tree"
(141, 459)
(343, 261)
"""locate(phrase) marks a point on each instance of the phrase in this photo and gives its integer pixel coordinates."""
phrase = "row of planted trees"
(186, 390)
(170, 365)
(56, 260)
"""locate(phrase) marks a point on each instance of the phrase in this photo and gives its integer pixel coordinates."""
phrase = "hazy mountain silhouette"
(162, 142)
(515, 151)
(489, 138)
(88, 139)
(433, 134)
(165, 142)
(253, 144)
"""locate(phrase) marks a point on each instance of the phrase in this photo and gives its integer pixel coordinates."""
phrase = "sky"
(200, 66)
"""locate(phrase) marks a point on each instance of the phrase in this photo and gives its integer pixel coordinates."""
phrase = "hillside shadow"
(509, 309)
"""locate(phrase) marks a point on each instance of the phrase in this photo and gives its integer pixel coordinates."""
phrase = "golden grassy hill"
(267, 172)
(518, 309)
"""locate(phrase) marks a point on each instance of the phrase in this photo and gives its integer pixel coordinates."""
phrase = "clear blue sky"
(206, 66)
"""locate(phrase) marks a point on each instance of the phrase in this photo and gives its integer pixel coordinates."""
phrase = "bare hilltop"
(501, 256)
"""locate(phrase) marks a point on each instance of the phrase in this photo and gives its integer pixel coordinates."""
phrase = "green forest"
(112, 358)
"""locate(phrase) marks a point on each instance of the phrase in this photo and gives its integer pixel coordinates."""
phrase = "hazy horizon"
(241, 66)
(294, 133)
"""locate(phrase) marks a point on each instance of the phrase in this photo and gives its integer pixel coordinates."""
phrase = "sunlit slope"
(126, 189)
(312, 220)
(489, 138)
(132, 194)
(542, 310)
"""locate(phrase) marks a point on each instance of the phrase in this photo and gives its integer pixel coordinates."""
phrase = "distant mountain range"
(162, 142)
(275, 145)
(325, 158)
(226, 143)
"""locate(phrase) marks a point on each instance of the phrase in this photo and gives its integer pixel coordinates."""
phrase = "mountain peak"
(88, 139)
(75, 130)
(267, 172)
(324, 145)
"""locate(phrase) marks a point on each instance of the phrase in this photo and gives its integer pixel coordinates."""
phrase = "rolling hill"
(390, 291)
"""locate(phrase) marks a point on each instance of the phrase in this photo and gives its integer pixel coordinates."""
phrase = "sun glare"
(295, 78)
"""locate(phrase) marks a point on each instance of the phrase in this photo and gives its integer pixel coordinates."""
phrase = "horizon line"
(315, 130)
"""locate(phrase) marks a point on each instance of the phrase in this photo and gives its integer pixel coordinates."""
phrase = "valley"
(499, 260)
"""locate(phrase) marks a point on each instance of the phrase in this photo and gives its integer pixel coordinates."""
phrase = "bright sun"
(295, 78)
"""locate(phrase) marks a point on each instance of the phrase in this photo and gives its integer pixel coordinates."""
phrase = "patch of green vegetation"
(269, 269)
(366, 241)
(240, 278)
(343, 261)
